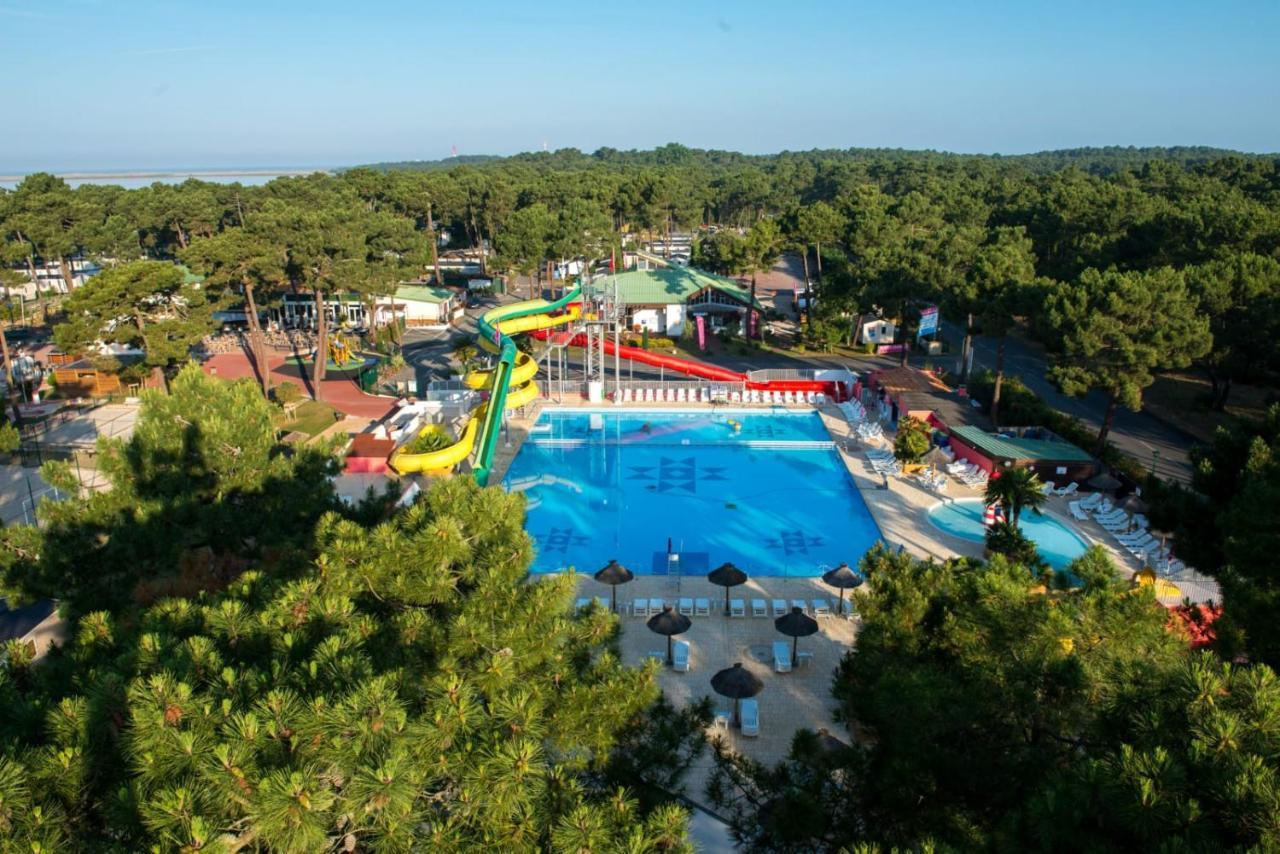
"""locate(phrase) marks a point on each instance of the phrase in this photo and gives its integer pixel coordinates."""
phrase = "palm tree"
(1015, 490)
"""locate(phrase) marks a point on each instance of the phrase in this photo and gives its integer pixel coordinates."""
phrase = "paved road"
(1139, 434)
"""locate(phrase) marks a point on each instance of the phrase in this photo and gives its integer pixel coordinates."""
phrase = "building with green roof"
(662, 299)
(1037, 448)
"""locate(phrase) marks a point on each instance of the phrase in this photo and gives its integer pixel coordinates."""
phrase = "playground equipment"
(340, 351)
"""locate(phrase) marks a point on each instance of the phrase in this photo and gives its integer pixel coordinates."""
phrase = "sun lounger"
(821, 608)
(686, 606)
(680, 656)
(722, 719)
(1069, 489)
(1077, 512)
(781, 657)
(737, 608)
(759, 608)
(800, 603)
(804, 659)
(1091, 500)
(640, 608)
(750, 717)
(735, 396)
(779, 607)
(702, 607)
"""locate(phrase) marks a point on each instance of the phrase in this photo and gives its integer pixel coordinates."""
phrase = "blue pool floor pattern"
(757, 489)
(1056, 542)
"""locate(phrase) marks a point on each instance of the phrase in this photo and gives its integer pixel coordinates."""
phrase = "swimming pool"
(1057, 543)
(765, 490)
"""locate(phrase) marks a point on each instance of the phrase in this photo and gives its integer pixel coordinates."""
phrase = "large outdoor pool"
(1057, 543)
(766, 491)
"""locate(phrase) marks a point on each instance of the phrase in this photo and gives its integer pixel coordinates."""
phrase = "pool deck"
(801, 698)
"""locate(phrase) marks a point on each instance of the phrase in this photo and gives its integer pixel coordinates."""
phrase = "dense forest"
(289, 674)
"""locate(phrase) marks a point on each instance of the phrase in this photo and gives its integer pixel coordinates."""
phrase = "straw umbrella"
(796, 625)
(727, 575)
(613, 574)
(669, 623)
(843, 578)
(1103, 482)
(736, 683)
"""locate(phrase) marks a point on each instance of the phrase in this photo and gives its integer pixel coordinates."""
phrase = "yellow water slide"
(521, 387)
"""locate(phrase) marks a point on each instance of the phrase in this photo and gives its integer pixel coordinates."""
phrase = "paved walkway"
(341, 393)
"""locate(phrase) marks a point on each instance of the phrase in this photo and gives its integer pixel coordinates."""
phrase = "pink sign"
(890, 348)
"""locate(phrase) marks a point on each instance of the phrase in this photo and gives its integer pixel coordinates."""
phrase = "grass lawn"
(1180, 399)
(310, 417)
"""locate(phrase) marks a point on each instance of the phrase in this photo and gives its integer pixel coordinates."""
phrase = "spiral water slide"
(510, 383)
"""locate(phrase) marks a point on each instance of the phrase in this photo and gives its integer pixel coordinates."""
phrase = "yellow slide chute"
(522, 388)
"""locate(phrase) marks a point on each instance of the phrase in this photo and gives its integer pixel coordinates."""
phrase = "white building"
(663, 299)
(419, 305)
(876, 330)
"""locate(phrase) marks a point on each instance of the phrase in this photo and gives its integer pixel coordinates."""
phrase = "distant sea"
(131, 180)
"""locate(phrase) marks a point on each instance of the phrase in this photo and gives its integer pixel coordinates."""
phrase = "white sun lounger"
(779, 607)
(702, 607)
(821, 608)
(680, 656)
(640, 608)
(750, 717)
(759, 608)
(686, 606)
(1069, 489)
(801, 604)
(781, 657)
(1091, 500)
(1077, 512)
(737, 608)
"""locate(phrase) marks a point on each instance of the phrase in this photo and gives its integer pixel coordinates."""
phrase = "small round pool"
(1057, 543)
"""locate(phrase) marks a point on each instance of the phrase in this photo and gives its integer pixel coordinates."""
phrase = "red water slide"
(696, 369)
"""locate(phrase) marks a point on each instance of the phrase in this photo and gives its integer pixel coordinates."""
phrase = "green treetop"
(987, 713)
(201, 487)
(1116, 329)
(411, 692)
(146, 304)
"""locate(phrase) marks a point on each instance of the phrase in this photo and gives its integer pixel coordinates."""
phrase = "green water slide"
(489, 332)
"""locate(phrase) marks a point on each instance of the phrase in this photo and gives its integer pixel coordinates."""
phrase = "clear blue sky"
(117, 84)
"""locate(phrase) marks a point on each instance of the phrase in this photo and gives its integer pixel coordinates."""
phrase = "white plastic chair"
(680, 656)
(750, 717)
(781, 657)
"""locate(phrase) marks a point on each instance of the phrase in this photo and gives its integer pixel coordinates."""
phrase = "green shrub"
(286, 393)
(912, 441)
(430, 439)
(659, 343)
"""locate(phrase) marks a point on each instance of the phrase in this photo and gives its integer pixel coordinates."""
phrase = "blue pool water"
(769, 494)
(1057, 543)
